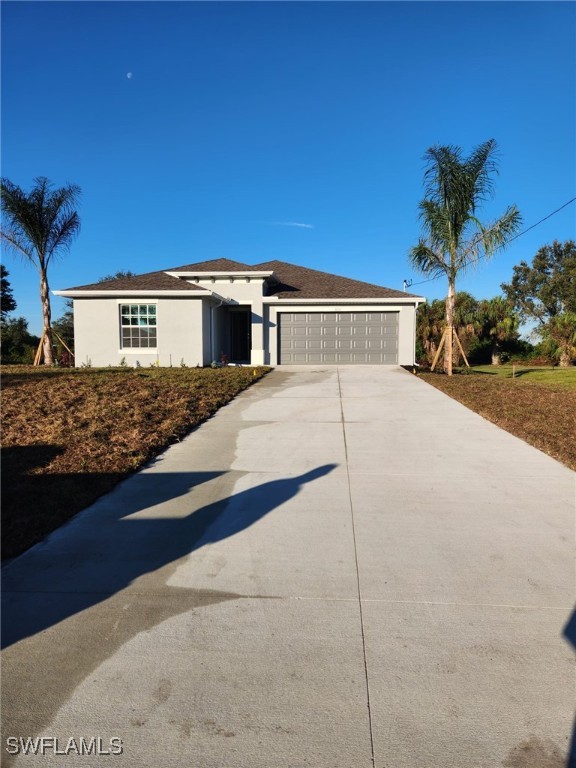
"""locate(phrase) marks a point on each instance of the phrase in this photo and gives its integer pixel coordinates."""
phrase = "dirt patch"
(535, 753)
(542, 415)
(71, 435)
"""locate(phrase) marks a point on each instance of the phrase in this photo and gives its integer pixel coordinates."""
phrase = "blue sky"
(241, 122)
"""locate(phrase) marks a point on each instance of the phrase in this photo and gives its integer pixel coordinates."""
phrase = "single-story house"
(270, 313)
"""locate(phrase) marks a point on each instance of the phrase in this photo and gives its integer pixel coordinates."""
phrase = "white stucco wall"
(248, 292)
(407, 335)
(183, 332)
(406, 324)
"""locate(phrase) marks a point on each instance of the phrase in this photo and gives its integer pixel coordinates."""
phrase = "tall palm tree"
(453, 237)
(38, 225)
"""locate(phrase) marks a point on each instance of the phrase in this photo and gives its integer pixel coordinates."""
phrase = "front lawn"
(545, 375)
(537, 405)
(70, 435)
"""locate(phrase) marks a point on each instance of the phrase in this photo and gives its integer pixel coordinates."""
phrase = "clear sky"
(282, 130)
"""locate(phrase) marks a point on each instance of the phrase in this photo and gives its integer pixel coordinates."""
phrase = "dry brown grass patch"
(71, 435)
(542, 415)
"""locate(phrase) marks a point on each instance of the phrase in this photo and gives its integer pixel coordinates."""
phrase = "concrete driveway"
(343, 568)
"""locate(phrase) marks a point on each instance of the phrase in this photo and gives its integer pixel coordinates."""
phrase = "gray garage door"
(338, 337)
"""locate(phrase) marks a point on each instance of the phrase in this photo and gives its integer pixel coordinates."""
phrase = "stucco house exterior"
(272, 313)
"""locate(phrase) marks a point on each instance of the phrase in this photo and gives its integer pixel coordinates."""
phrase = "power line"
(475, 261)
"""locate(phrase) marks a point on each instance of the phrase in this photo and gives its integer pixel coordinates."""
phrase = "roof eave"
(347, 300)
(206, 275)
(99, 293)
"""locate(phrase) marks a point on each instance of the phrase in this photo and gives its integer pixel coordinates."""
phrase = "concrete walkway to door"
(344, 568)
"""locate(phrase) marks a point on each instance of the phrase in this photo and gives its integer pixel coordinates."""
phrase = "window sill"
(139, 351)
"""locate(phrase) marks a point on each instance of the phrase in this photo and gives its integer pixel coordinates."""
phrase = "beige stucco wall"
(183, 332)
(406, 325)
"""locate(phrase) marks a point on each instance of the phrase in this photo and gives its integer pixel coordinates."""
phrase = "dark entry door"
(240, 334)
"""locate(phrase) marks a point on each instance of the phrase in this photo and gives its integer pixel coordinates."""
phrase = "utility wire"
(475, 261)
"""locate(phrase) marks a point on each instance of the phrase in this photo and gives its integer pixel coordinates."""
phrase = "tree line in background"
(540, 296)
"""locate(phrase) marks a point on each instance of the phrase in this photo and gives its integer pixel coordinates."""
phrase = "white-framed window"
(138, 327)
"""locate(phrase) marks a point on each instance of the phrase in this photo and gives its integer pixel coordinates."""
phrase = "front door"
(240, 334)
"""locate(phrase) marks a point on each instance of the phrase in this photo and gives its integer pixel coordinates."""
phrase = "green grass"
(565, 377)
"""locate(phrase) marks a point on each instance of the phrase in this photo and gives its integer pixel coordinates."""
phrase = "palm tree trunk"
(449, 346)
(47, 317)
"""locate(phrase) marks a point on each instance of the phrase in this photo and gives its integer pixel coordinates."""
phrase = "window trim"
(136, 350)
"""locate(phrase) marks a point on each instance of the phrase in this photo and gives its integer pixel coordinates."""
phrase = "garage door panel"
(338, 337)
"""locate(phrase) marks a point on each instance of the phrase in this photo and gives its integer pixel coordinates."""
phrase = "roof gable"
(214, 265)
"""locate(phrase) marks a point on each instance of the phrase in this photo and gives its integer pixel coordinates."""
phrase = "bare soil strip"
(542, 415)
(71, 435)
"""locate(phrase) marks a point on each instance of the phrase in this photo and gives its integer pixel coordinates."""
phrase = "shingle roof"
(215, 265)
(292, 281)
(302, 282)
(151, 281)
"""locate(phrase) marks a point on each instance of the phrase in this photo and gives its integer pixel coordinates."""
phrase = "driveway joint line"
(433, 603)
(371, 730)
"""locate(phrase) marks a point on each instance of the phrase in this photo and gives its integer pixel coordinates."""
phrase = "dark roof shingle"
(151, 281)
(215, 265)
(302, 282)
(291, 281)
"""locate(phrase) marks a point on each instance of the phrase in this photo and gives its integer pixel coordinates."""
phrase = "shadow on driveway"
(98, 555)
(66, 606)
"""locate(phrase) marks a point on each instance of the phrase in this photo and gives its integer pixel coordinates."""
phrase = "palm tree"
(561, 329)
(429, 328)
(37, 226)
(466, 324)
(453, 236)
(500, 323)
(431, 322)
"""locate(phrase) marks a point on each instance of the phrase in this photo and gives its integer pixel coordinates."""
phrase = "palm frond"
(436, 224)
(441, 172)
(480, 167)
(39, 223)
(427, 260)
(17, 243)
(495, 236)
(62, 233)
